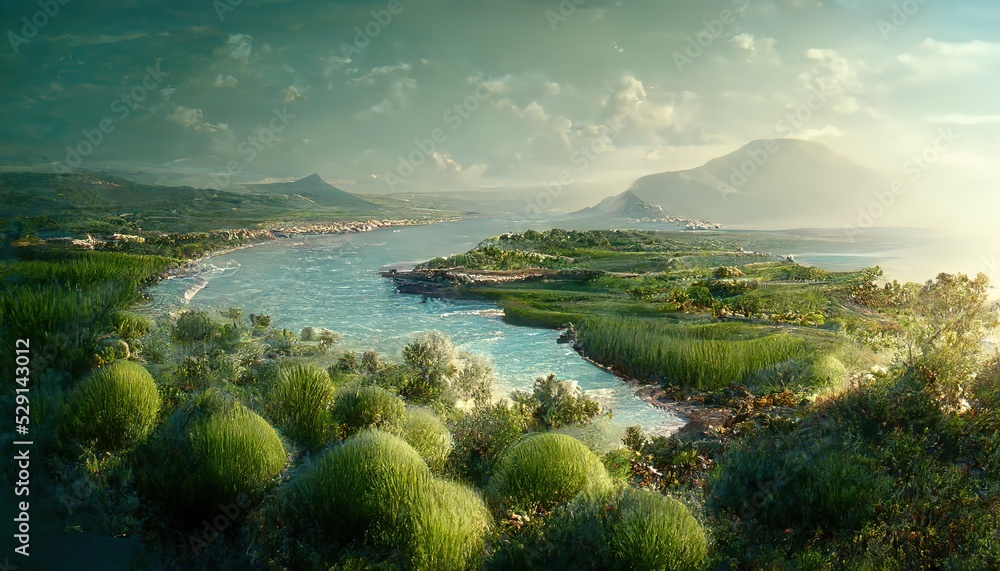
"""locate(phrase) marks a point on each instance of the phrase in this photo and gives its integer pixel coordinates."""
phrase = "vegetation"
(115, 408)
(544, 470)
(299, 404)
(850, 423)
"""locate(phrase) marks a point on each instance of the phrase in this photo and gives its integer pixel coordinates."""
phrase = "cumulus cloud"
(836, 77)
(292, 94)
(194, 119)
(224, 80)
(237, 47)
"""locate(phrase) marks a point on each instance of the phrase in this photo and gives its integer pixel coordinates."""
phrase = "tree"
(554, 403)
(945, 326)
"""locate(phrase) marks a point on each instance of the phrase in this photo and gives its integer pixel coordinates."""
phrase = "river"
(334, 282)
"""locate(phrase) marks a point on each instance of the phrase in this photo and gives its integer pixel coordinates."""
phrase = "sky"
(439, 95)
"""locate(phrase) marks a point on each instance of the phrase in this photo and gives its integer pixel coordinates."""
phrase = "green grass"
(546, 469)
(212, 451)
(359, 407)
(425, 432)
(701, 357)
(114, 408)
(376, 489)
(299, 404)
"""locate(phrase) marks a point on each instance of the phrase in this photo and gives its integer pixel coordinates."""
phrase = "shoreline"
(272, 234)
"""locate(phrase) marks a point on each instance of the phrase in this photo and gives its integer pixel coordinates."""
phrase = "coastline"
(280, 231)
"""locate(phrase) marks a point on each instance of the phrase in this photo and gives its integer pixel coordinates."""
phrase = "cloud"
(194, 119)
(836, 77)
(224, 80)
(238, 47)
(632, 105)
(963, 119)
(292, 94)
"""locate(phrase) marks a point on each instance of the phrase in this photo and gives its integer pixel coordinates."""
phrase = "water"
(334, 282)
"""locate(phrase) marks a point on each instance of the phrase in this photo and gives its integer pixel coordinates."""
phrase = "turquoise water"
(334, 282)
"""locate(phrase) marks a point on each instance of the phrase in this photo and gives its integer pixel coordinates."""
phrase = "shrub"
(363, 486)
(212, 451)
(115, 407)
(449, 527)
(482, 436)
(307, 334)
(374, 487)
(424, 431)
(299, 404)
(131, 326)
(547, 469)
(433, 356)
(357, 408)
(554, 403)
(625, 529)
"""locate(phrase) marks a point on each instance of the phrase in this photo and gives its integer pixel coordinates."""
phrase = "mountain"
(316, 190)
(770, 183)
(624, 205)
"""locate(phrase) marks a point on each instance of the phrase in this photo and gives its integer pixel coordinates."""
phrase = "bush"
(115, 407)
(424, 431)
(211, 452)
(543, 470)
(299, 404)
(357, 408)
(482, 436)
(433, 356)
(625, 529)
(131, 326)
(449, 527)
(554, 403)
(374, 487)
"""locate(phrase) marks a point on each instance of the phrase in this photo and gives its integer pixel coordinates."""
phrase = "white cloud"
(836, 77)
(963, 119)
(238, 46)
(223, 80)
(194, 119)
(292, 94)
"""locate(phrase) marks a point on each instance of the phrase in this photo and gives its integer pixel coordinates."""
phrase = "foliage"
(697, 357)
(213, 450)
(375, 488)
(434, 358)
(427, 434)
(481, 436)
(543, 470)
(299, 404)
(626, 529)
(359, 407)
(554, 403)
(115, 407)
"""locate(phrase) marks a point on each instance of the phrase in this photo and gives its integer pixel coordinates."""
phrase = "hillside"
(767, 184)
(624, 205)
(316, 190)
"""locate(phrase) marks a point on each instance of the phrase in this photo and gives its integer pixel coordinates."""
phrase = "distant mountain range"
(774, 183)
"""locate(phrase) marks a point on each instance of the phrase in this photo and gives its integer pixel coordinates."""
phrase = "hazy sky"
(283, 88)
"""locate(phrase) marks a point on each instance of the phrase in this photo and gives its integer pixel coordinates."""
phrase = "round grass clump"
(449, 525)
(213, 451)
(360, 407)
(545, 470)
(647, 530)
(375, 487)
(115, 407)
(366, 484)
(425, 432)
(299, 404)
